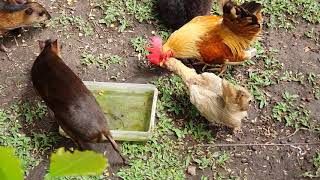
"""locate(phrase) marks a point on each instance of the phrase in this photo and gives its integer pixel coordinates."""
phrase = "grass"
(139, 44)
(293, 113)
(102, 61)
(316, 163)
(290, 76)
(117, 13)
(285, 14)
(313, 34)
(169, 152)
(31, 113)
(264, 74)
(313, 79)
(65, 22)
(30, 148)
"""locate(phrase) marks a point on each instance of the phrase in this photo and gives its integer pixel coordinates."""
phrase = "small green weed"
(163, 32)
(27, 148)
(223, 158)
(139, 44)
(142, 11)
(313, 34)
(65, 21)
(290, 112)
(289, 76)
(160, 157)
(116, 12)
(204, 178)
(215, 9)
(174, 97)
(314, 81)
(31, 113)
(316, 163)
(102, 61)
(203, 159)
(284, 14)
(266, 75)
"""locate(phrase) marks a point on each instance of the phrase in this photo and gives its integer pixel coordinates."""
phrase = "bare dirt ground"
(297, 53)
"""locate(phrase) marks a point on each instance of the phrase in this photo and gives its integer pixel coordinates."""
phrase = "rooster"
(213, 39)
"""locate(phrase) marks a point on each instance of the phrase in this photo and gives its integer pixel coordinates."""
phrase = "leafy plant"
(31, 113)
(315, 83)
(139, 44)
(223, 158)
(116, 12)
(290, 76)
(316, 163)
(313, 34)
(293, 114)
(102, 61)
(142, 11)
(65, 21)
(284, 14)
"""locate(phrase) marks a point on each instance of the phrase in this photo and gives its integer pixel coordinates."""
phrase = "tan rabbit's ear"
(42, 44)
(55, 47)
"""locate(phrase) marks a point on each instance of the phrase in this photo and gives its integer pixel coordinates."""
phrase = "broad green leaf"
(10, 167)
(79, 163)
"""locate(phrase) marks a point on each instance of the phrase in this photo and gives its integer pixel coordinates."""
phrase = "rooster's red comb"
(155, 50)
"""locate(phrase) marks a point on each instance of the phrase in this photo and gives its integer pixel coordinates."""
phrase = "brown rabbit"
(73, 105)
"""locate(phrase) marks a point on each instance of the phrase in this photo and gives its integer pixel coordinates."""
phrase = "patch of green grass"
(223, 158)
(285, 14)
(142, 10)
(168, 154)
(174, 98)
(163, 32)
(209, 159)
(102, 61)
(315, 83)
(114, 12)
(290, 76)
(160, 157)
(265, 75)
(289, 111)
(316, 163)
(31, 113)
(204, 178)
(139, 44)
(28, 148)
(215, 9)
(117, 12)
(313, 34)
(65, 22)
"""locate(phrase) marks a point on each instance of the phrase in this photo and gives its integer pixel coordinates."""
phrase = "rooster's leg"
(221, 69)
(3, 48)
(208, 66)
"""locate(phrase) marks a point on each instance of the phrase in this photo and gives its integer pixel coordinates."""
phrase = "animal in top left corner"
(176, 13)
(16, 15)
